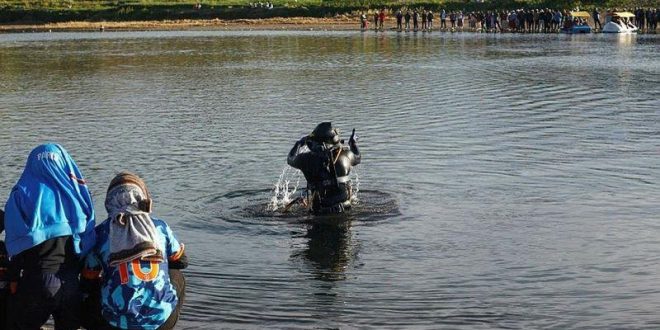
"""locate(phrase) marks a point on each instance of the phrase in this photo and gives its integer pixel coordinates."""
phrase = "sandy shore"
(295, 23)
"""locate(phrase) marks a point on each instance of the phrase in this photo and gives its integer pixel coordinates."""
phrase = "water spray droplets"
(284, 190)
(355, 186)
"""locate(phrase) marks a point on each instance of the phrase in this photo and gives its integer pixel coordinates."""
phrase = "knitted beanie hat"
(125, 177)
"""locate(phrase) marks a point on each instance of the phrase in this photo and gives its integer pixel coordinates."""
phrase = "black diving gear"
(326, 166)
(325, 133)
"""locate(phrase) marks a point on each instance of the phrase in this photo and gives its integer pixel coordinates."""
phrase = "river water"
(508, 181)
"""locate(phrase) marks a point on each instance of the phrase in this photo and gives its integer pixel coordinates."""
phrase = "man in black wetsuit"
(326, 166)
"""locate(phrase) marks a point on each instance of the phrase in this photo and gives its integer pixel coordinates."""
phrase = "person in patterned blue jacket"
(136, 262)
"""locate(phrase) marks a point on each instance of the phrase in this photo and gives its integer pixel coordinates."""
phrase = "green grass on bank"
(31, 11)
(106, 4)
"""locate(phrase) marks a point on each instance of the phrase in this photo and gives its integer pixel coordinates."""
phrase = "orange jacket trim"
(178, 254)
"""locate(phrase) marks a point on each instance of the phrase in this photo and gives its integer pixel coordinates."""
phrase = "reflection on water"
(329, 249)
(624, 40)
(507, 180)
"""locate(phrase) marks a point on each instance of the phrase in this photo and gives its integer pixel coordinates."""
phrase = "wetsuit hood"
(325, 133)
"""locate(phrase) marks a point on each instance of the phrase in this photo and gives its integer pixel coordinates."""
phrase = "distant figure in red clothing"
(381, 18)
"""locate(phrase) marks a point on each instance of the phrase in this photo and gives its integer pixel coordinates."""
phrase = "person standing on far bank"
(443, 19)
(381, 19)
(596, 16)
(407, 19)
(399, 19)
(424, 14)
(429, 17)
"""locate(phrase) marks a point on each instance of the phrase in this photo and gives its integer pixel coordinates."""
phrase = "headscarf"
(133, 234)
(50, 200)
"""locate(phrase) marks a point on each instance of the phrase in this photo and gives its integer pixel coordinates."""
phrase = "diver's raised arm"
(352, 143)
(292, 159)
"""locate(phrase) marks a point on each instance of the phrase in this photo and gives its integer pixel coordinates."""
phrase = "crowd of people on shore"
(647, 18)
(521, 20)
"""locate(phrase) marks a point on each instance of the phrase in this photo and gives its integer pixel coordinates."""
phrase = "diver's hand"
(353, 139)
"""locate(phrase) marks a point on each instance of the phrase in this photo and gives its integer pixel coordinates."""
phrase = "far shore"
(293, 23)
(339, 23)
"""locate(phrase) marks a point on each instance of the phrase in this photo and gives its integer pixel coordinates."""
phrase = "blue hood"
(50, 200)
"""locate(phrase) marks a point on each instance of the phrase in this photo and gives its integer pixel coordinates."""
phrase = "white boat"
(620, 23)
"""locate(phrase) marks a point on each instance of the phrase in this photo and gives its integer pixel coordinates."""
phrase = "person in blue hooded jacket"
(49, 227)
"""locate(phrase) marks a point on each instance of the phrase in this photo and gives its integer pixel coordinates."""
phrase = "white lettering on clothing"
(47, 155)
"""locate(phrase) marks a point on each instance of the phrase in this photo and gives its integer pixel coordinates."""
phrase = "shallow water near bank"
(508, 181)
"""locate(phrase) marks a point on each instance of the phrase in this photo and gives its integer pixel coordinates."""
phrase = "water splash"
(283, 190)
(288, 183)
(355, 186)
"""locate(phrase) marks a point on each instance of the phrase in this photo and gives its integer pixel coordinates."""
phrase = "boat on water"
(619, 22)
(577, 23)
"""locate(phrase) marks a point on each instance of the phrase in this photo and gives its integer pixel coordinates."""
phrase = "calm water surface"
(517, 175)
